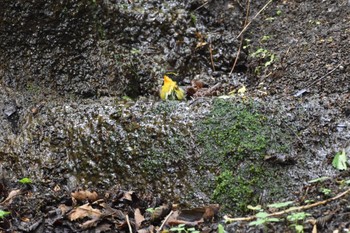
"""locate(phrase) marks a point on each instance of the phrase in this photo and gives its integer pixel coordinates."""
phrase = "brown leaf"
(211, 212)
(149, 229)
(84, 211)
(57, 188)
(138, 218)
(109, 211)
(212, 91)
(198, 84)
(103, 228)
(195, 215)
(128, 195)
(176, 222)
(160, 212)
(11, 195)
(64, 209)
(25, 219)
(82, 195)
(200, 44)
(190, 91)
(90, 223)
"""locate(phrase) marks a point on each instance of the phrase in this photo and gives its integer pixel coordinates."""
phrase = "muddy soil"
(65, 66)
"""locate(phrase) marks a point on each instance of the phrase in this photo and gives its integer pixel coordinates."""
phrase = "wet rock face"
(49, 42)
(95, 48)
(137, 145)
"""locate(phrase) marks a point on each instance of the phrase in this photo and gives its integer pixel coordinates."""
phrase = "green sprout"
(297, 218)
(280, 204)
(25, 180)
(221, 228)
(182, 228)
(265, 38)
(340, 161)
(3, 214)
(262, 219)
(151, 210)
(326, 191)
(265, 56)
(193, 18)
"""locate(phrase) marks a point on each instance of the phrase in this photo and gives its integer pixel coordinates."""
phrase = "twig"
(249, 218)
(211, 55)
(201, 6)
(319, 79)
(165, 220)
(237, 56)
(246, 26)
(128, 222)
(241, 42)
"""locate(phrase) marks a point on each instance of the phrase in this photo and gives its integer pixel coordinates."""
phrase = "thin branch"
(246, 26)
(211, 56)
(165, 220)
(296, 209)
(241, 42)
(201, 6)
(128, 222)
(319, 79)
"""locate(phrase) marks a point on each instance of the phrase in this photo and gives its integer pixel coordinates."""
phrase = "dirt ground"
(307, 44)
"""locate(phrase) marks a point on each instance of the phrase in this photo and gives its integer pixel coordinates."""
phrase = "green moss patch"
(234, 139)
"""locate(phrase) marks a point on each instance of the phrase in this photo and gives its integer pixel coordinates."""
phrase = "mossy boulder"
(235, 138)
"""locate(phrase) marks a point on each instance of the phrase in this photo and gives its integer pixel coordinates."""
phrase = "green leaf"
(221, 228)
(272, 58)
(257, 222)
(151, 210)
(273, 219)
(297, 216)
(262, 215)
(339, 161)
(326, 191)
(298, 228)
(179, 228)
(25, 180)
(280, 204)
(3, 213)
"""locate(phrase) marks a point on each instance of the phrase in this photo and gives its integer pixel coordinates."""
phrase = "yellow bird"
(170, 90)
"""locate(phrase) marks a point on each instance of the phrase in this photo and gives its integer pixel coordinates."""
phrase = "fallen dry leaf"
(82, 195)
(160, 212)
(138, 218)
(64, 209)
(149, 229)
(128, 195)
(90, 223)
(11, 195)
(176, 222)
(211, 212)
(109, 211)
(103, 228)
(57, 188)
(201, 44)
(84, 211)
(198, 84)
(25, 219)
(241, 90)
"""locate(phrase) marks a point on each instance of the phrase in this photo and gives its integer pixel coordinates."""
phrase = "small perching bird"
(170, 90)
